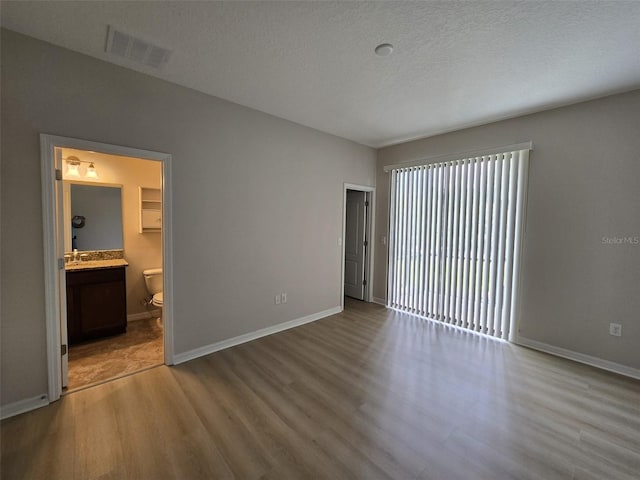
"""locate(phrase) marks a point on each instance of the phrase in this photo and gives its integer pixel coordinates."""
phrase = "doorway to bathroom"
(357, 247)
(107, 261)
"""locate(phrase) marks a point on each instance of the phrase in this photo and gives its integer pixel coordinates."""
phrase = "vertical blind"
(455, 240)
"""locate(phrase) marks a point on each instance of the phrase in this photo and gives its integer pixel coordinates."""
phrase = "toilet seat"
(158, 299)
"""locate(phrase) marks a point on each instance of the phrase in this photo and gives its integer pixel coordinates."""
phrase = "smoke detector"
(384, 50)
(137, 50)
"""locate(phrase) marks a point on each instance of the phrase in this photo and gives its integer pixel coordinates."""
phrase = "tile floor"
(94, 362)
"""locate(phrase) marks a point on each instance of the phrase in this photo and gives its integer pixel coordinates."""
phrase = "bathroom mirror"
(93, 216)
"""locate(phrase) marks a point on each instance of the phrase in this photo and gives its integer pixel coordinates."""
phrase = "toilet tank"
(153, 280)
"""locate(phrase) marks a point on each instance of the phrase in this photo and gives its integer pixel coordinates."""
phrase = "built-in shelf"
(150, 209)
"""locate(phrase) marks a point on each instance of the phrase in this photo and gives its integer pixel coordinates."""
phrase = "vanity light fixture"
(91, 171)
(73, 168)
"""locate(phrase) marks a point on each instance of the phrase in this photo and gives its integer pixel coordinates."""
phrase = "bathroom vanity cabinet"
(96, 303)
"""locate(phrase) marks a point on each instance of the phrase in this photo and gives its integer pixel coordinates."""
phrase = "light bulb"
(73, 170)
(91, 171)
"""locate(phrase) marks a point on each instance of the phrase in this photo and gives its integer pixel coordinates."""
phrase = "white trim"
(459, 156)
(22, 406)
(370, 227)
(51, 287)
(53, 305)
(167, 261)
(247, 337)
(379, 301)
(579, 357)
(134, 317)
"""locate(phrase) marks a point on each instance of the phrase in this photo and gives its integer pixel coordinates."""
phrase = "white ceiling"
(455, 64)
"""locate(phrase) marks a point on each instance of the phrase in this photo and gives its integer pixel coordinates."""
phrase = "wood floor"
(369, 393)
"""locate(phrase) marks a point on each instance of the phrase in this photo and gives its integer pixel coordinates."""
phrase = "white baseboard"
(379, 301)
(22, 406)
(580, 357)
(247, 337)
(143, 315)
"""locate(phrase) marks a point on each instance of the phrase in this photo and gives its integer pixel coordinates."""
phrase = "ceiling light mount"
(384, 49)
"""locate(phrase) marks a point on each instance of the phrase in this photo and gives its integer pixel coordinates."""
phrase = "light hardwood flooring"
(369, 393)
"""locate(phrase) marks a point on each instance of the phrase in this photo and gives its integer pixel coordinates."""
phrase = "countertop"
(96, 264)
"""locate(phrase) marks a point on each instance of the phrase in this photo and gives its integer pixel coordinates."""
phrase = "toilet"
(153, 281)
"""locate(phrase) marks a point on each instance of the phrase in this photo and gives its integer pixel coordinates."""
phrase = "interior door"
(62, 283)
(355, 244)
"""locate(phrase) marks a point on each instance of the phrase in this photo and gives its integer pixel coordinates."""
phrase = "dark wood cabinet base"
(96, 303)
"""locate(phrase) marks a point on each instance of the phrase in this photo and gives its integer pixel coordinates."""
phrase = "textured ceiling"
(455, 64)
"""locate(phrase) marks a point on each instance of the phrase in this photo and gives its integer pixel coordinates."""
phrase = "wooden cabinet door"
(74, 333)
(102, 311)
(96, 303)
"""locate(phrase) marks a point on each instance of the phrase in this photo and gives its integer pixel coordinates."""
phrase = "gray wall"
(257, 201)
(584, 187)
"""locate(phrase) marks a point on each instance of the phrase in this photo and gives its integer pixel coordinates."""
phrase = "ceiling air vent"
(135, 49)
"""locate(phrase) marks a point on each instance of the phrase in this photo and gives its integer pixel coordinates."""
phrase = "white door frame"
(52, 263)
(369, 230)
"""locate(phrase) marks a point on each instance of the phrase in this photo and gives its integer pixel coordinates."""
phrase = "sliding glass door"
(455, 240)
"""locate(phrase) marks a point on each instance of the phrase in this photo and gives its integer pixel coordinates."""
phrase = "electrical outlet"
(277, 299)
(284, 298)
(615, 329)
